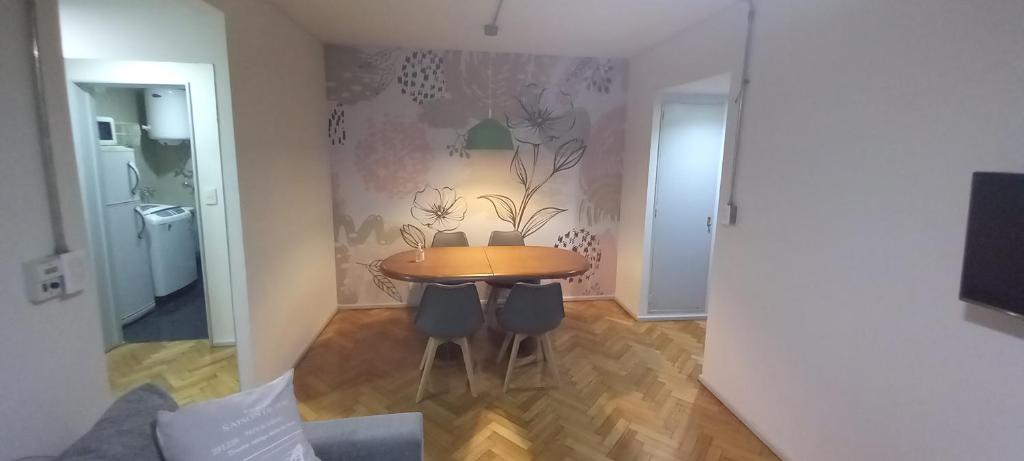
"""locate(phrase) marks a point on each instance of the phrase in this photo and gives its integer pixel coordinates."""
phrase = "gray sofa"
(126, 431)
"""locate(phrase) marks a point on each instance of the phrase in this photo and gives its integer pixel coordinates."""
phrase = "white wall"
(53, 384)
(284, 174)
(707, 49)
(187, 31)
(834, 327)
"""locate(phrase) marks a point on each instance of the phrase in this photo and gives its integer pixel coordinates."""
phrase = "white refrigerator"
(126, 241)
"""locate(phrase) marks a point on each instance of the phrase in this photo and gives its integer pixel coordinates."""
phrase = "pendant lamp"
(489, 134)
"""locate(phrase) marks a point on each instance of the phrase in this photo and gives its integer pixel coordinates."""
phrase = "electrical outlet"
(44, 279)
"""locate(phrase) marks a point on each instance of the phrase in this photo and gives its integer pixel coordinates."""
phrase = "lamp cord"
(490, 84)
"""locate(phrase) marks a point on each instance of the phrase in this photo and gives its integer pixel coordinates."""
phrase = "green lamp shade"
(489, 134)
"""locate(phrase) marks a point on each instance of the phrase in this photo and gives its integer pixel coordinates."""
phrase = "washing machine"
(172, 247)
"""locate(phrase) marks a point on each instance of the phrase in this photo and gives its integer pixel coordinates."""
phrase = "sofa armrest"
(397, 437)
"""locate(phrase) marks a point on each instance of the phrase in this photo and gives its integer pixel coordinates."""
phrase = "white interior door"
(688, 172)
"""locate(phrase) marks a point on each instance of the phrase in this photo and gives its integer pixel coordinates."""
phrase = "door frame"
(695, 100)
(224, 315)
(694, 89)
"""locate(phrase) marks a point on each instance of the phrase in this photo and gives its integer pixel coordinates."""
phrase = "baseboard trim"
(743, 419)
(661, 317)
(622, 305)
(222, 343)
(309, 344)
(354, 307)
(590, 298)
(345, 307)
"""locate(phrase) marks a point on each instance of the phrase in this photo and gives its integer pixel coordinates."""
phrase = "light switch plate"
(73, 267)
(210, 196)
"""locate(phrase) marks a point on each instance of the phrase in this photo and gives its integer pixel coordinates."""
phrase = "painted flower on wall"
(439, 209)
(393, 157)
(541, 116)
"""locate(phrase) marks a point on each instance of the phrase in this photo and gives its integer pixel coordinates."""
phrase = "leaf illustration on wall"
(482, 82)
(413, 236)
(381, 281)
(569, 154)
(601, 175)
(373, 226)
(354, 75)
(539, 219)
(504, 207)
(519, 168)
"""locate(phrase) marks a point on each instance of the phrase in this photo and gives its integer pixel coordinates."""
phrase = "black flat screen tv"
(993, 270)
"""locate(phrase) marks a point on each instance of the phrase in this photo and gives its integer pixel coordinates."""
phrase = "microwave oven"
(105, 131)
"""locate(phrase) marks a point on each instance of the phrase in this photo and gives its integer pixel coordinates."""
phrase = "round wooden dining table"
(501, 266)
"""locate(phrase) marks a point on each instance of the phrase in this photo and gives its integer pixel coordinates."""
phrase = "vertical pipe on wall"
(744, 82)
(60, 244)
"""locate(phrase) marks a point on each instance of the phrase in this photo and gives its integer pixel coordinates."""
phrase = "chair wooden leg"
(426, 351)
(512, 359)
(504, 347)
(432, 344)
(549, 355)
(467, 357)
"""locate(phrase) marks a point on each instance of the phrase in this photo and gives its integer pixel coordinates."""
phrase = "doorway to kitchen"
(148, 152)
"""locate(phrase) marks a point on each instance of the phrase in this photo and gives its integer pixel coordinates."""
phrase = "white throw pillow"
(261, 424)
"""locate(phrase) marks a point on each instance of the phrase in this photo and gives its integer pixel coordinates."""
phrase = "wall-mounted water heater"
(167, 115)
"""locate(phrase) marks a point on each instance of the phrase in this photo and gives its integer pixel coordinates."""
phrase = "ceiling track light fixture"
(491, 30)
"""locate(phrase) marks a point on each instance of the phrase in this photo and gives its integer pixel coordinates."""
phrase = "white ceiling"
(611, 28)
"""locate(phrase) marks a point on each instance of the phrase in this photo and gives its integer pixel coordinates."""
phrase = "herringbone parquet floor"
(191, 371)
(629, 391)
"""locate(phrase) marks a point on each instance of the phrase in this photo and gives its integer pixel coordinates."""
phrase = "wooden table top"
(504, 263)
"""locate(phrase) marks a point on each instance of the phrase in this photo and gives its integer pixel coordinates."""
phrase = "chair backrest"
(532, 309)
(449, 311)
(506, 239)
(450, 239)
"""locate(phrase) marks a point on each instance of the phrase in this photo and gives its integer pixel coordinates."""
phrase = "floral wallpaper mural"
(397, 124)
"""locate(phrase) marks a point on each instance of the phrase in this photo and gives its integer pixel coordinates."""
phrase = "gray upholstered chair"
(531, 310)
(506, 239)
(448, 313)
(449, 239)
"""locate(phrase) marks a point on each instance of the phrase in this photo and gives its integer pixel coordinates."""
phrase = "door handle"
(142, 219)
(133, 171)
(709, 224)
